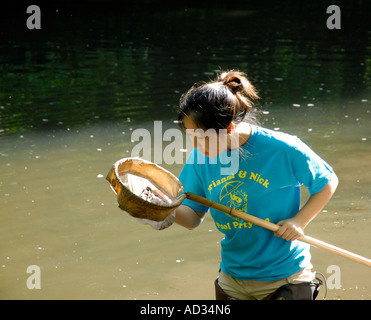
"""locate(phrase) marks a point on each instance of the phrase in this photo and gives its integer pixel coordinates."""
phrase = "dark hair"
(217, 103)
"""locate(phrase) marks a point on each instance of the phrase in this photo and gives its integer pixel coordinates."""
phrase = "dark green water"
(72, 93)
(104, 62)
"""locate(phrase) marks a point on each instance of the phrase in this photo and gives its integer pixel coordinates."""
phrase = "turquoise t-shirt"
(266, 183)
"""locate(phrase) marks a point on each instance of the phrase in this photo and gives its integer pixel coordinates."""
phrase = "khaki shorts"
(257, 290)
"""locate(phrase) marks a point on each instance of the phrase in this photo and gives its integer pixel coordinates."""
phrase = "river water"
(73, 94)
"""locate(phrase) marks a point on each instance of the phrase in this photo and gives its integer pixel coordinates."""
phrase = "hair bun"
(233, 80)
(219, 102)
(237, 82)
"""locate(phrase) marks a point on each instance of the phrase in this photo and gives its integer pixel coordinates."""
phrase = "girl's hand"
(289, 230)
(292, 229)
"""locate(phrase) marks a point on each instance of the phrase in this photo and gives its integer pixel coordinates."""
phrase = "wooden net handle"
(274, 227)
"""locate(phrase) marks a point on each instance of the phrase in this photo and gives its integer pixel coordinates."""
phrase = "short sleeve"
(192, 182)
(309, 169)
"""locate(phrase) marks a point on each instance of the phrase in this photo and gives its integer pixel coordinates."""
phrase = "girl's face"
(209, 142)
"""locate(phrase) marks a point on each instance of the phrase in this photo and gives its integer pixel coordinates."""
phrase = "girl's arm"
(187, 217)
(292, 229)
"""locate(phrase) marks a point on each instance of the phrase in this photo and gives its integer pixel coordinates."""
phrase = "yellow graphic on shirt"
(236, 198)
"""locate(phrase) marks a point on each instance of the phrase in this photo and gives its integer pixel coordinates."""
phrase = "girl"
(271, 166)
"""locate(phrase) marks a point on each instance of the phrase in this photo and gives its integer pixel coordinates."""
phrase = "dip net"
(144, 189)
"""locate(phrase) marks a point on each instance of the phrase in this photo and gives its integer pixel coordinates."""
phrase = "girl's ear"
(231, 127)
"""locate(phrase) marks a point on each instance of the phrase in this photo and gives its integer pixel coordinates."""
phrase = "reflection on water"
(68, 107)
